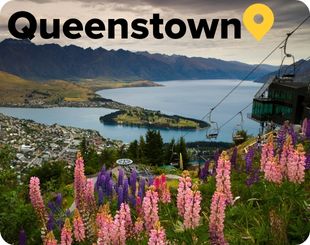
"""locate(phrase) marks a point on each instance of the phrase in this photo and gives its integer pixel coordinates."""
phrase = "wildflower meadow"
(255, 194)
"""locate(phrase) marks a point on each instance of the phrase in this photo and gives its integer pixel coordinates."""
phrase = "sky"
(288, 14)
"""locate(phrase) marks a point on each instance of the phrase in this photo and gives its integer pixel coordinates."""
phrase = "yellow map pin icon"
(258, 30)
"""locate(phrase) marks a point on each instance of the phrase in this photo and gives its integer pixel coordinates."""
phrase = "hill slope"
(302, 72)
(16, 90)
(51, 61)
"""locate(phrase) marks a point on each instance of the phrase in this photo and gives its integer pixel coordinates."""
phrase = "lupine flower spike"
(78, 226)
(157, 235)
(50, 239)
(66, 233)
(150, 208)
(192, 208)
(37, 200)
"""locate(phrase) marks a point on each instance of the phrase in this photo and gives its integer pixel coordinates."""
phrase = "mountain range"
(72, 63)
(302, 72)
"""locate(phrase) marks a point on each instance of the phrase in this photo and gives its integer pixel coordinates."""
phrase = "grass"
(14, 89)
(138, 117)
(98, 84)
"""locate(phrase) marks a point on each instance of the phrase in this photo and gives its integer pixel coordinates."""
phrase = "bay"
(187, 98)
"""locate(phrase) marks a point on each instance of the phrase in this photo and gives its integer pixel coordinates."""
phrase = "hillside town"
(36, 143)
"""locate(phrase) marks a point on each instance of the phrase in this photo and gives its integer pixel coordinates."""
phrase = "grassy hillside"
(100, 84)
(15, 90)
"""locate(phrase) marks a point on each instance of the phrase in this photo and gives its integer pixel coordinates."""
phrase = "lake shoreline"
(100, 102)
(189, 99)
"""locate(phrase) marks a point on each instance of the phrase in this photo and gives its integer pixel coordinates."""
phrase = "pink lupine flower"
(36, 199)
(125, 215)
(192, 208)
(50, 239)
(296, 167)
(80, 182)
(185, 182)
(119, 230)
(150, 208)
(273, 171)
(157, 235)
(89, 196)
(105, 226)
(217, 217)
(162, 188)
(267, 153)
(166, 195)
(138, 228)
(286, 153)
(139, 205)
(78, 225)
(66, 233)
(223, 176)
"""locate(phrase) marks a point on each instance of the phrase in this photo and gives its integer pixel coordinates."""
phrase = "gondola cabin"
(283, 100)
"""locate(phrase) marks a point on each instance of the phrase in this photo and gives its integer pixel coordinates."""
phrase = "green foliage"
(153, 148)
(108, 157)
(52, 175)
(7, 155)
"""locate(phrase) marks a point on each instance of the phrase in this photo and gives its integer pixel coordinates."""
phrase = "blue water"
(187, 98)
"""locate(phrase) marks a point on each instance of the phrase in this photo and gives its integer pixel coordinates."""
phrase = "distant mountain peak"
(52, 61)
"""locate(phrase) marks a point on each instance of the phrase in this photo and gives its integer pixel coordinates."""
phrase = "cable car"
(237, 135)
(213, 130)
(282, 98)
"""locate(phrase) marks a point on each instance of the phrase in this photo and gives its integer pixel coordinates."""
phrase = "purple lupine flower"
(120, 180)
(249, 160)
(141, 191)
(292, 133)
(125, 191)
(51, 205)
(253, 177)
(281, 136)
(307, 167)
(58, 200)
(103, 169)
(60, 223)
(133, 182)
(103, 185)
(205, 171)
(100, 196)
(133, 200)
(234, 156)
(120, 195)
(150, 181)
(22, 237)
(109, 190)
(50, 222)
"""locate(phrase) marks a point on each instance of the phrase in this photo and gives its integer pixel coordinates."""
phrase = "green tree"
(109, 156)
(133, 151)
(142, 151)
(154, 147)
(52, 175)
(93, 162)
(169, 150)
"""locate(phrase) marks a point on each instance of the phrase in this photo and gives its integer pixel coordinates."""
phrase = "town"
(36, 143)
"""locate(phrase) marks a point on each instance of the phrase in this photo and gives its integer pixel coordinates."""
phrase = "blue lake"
(187, 98)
